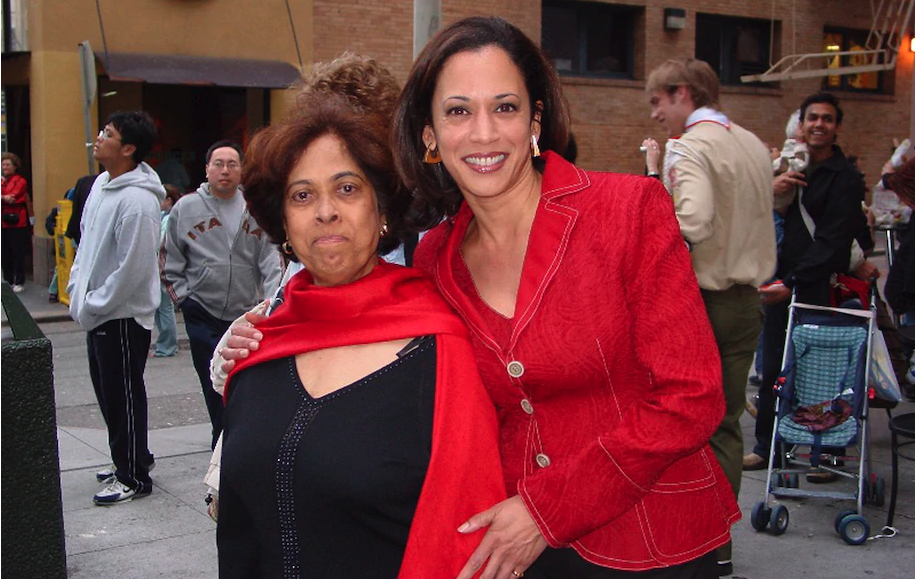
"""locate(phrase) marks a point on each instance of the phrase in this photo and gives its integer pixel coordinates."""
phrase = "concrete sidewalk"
(168, 534)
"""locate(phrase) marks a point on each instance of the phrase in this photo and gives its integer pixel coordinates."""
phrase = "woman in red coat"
(585, 315)
(15, 218)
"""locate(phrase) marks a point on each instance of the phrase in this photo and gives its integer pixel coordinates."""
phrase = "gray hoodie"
(115, 273)
(226, 275)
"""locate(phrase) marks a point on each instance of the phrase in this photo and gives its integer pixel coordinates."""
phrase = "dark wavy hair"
(358, 112)
(435, 194)
(821, 98)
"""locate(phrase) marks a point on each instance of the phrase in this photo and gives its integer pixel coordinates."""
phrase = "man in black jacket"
(80, 195)
(820, 225)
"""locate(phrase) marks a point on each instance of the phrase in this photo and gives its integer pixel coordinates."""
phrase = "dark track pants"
(15, 247)
(204, 331)
(117, 359)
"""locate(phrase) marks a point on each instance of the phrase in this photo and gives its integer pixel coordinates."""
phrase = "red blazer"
(16, 186)
(604, 424)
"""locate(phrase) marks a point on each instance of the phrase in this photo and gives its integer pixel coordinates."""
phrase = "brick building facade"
(604, 50)
(610, 114)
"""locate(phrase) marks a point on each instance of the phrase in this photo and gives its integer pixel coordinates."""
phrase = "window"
(840, 40)
(733, 46)
(589, 38)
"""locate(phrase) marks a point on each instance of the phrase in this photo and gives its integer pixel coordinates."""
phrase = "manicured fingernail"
(463, 528)
(258, 336)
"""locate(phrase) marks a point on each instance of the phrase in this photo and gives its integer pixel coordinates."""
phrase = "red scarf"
(391, 303)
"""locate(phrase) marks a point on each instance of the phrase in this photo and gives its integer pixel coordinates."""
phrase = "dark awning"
(200, 70)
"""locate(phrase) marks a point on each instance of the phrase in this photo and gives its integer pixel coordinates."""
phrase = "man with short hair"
(114, 293)
(216, 263)
(720, 177)
(820, 225)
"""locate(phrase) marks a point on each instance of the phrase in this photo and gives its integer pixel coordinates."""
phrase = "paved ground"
(169, 534)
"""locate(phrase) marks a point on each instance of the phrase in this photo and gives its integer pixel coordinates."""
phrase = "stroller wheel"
(879, 491)
(841, 516)
(759, 518)
(793, 481)
(778, 520)
(854, 529)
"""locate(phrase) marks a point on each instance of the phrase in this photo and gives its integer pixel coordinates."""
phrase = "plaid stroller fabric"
(826, 378)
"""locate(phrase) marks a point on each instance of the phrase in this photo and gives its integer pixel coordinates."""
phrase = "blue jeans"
(167, 341)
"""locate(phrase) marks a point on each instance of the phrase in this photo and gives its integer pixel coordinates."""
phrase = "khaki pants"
(736, 321)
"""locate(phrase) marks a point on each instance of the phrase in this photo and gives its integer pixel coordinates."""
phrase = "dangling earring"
(384, 229)
(535, 150)
(432, 156)
(287, 249)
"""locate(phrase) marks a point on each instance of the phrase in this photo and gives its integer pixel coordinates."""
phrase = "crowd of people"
(506, 407)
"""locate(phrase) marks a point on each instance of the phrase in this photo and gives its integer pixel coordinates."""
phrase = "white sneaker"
(106, 475)
(118, 492)
(18, 289)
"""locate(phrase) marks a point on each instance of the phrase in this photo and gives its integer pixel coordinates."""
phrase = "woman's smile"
(486, 163)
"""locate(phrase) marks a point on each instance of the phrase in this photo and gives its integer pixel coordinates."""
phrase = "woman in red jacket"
(585, 315)
(15, 218)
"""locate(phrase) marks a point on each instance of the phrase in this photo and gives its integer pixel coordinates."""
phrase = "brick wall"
(610, 117)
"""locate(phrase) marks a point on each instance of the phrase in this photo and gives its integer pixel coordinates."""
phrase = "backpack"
(50, 223)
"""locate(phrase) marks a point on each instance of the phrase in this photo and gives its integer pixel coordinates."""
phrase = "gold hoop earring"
(286, 247)
(432, 156)
(535, 150)
(384, 230)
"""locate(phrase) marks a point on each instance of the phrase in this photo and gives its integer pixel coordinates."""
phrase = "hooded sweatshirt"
(226, 268)
(115, 273)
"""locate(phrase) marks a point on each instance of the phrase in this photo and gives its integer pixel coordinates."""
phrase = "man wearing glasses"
(216, 263)
(114, 294)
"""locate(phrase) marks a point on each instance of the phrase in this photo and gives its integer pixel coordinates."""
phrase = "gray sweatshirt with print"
(227, 275)
(115, 273)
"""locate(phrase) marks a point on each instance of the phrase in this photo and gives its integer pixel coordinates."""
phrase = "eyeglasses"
(105, 134)
(231, 165)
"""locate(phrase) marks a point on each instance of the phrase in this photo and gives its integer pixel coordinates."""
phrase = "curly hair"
(435, 193)
(351, 98)
(366, 84)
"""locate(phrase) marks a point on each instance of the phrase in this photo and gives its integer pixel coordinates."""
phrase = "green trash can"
(33, 523)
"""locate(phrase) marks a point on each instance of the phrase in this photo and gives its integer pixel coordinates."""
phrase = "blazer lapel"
(549, 238)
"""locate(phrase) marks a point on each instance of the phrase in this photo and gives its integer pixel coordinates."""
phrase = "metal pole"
(427, 19)
(90, 86)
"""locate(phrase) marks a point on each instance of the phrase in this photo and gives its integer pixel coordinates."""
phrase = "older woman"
(16, 233)
(358, 436)
(586, 318)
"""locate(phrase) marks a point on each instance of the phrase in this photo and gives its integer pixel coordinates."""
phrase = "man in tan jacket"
(720, 177)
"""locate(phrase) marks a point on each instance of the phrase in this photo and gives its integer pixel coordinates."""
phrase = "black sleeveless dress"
(325, 487)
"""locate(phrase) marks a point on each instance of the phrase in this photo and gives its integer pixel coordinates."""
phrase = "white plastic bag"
(888, 209)
(882, 378)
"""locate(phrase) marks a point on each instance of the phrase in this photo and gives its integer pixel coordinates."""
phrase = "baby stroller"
(821, 404)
